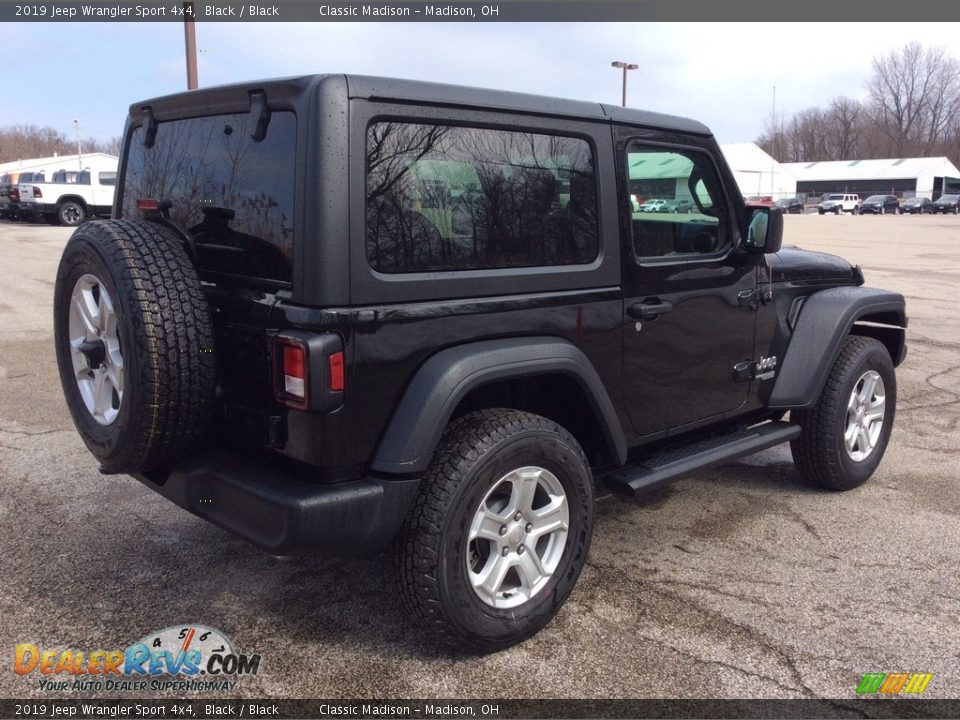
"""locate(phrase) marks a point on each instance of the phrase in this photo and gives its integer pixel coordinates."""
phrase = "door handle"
(649, 309)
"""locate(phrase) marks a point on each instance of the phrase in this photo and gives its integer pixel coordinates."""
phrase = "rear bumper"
(283, 514)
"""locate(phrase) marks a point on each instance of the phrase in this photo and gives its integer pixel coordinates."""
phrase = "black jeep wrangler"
(347, 314)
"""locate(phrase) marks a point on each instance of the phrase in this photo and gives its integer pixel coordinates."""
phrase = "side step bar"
(673, 464)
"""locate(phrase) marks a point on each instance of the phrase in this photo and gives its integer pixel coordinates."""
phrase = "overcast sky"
(721, 74)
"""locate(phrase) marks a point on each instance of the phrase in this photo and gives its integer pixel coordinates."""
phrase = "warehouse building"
(757, 173)
(904, 177)
(48, 165)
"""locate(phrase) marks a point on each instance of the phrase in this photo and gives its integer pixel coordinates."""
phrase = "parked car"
(259, 344)
(9, 195)
(77, 196)
(759, 200)
(653, 205)
(790, 205)
(947, 204)
(838, 203)
(880, 205)
(916, 205)
(24, 190)
(676, 206)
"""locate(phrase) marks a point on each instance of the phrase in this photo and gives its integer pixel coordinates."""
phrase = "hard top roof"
(392, 89)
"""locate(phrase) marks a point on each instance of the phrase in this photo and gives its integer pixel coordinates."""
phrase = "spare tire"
(134, 343)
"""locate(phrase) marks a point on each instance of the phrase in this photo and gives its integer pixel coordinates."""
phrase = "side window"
(108, 178)
(676, 203)
(444, 198)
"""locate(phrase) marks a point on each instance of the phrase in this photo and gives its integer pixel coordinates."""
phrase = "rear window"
(234, 195)
(446, 198)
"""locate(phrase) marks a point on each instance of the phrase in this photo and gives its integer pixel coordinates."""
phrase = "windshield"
(834, 197)
(876, 198)
(948, 198)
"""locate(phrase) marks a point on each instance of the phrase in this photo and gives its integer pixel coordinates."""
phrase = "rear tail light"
(294, 372)
(309, 371)
(335, 363)
(36, 192)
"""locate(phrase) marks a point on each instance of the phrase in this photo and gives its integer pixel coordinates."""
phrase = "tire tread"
(174, 341)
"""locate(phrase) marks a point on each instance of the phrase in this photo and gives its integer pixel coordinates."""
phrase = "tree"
(23, 142)
(912, 109)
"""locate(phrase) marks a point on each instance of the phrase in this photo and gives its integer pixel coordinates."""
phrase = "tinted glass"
(108, 178)
(689, 218)
(234, 195)
(876, 198)
(454, 198)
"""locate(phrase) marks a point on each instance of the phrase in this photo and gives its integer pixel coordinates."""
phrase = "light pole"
(79, 149)
(190, 44)
(624, 66)
(773, 119)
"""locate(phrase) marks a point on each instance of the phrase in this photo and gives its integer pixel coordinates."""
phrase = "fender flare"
(825, 319)
(448, 376)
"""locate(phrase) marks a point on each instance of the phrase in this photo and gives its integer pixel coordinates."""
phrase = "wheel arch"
(482, 374)
(825, 319)
(72, 198)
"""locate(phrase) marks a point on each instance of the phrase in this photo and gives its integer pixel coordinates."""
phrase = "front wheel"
(844, 435)
(500, 531)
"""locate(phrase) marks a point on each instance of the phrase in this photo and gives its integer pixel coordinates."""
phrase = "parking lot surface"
(738, 583)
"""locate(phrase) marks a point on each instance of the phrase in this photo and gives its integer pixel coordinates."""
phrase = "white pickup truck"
(70, 197)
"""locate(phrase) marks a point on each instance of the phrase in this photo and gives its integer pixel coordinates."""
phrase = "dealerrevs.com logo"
(188, 657)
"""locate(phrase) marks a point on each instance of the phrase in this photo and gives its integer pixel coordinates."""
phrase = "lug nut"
(528, 528)
(518, 516)
(503, 529)
(506, 551)
(521, 550)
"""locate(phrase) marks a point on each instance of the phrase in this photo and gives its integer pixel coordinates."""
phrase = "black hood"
(792, 264)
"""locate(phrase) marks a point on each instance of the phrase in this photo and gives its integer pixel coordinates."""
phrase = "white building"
(757, 173)
(906, 177)
(98, 162)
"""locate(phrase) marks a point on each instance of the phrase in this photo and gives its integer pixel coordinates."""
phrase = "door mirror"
(765, 231)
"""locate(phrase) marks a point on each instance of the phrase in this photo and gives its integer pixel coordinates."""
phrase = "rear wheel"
(71, 213)
(500, 532)
(844, 436)
(134, 344)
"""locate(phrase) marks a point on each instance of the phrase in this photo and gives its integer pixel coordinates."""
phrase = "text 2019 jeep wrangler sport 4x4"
(346, 314)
